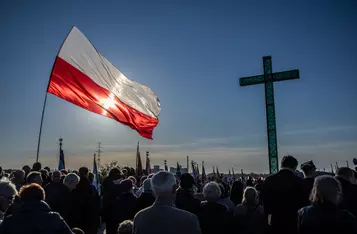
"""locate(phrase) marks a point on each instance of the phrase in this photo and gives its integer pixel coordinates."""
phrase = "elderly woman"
(213, 217)
(34, 216)
(249, 216)
(71, 180)
(7, 195)
(324, 216)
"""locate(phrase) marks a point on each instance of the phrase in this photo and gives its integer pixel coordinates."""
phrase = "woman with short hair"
(34, 215)
(324, 216)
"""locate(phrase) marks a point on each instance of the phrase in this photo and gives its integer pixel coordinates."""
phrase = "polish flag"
(84, 77)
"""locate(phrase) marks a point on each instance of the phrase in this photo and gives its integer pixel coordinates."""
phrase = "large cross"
(267, 79)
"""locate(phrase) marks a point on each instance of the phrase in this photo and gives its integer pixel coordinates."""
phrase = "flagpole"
(44, 103)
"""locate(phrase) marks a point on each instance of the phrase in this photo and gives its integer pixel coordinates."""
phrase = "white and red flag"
(84, 77)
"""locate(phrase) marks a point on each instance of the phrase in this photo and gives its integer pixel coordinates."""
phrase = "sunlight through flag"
(84, 77)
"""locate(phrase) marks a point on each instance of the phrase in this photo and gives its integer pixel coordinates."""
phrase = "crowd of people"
(42, 201)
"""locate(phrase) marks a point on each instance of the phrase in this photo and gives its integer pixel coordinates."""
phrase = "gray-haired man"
(163, 217)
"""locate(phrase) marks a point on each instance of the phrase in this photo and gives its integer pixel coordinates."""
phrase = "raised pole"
(188, 165)
(270, 115)
(44, 103)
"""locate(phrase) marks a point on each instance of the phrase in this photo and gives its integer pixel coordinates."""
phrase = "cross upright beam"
(268, 79)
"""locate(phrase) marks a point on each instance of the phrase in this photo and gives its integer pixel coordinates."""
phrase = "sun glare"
(108, 103)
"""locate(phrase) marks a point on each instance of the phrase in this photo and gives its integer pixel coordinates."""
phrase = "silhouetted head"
(186, 181)
(125, 227)
(18, 177)
(326, 190)
(163, 184)
(212, 192)
(37, 166)
(26, 169)
(345, 173)
(7, 194)
(83, 172)
(56, 176)
(71, 180)
(32, 192)
(34, 177)
(289, 162)
(308, 168)
(250, 196)
(126, 186)
(115, 173)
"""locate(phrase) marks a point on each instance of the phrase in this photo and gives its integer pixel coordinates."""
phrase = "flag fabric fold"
(84, 77)
(139, 166)
(61, 164)
(203, 172)
(148, 166)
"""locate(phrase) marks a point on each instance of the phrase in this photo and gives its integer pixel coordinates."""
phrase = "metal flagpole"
(44, 103)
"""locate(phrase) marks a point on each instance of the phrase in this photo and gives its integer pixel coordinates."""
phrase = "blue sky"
(191, 54)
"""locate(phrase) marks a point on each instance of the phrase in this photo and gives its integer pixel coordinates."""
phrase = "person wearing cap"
(124, 207)
(309, 170)
(185, 197)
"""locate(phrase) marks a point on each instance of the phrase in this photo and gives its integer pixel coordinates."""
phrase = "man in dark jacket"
(124, 207)
(58, 196)
(86, 204)
(185, 199)
(284, 194)
(34, 216)
(349, 191)
(309, 170)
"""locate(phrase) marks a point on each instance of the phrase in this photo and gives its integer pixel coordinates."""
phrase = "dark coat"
(214, 218)
(34, 217)
(237, 192)
(112, 191)
(325, 219)
(145, 200)
(124, 208)
(185, 200)
(284, 194)
(58, 198)
(86, 207)
(165, 219)
(249, 219)
(349, 196)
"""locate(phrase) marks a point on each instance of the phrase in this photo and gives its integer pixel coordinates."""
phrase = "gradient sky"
(191, 54)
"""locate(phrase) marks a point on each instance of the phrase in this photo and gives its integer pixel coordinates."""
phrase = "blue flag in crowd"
(96, 182)
(61, 165)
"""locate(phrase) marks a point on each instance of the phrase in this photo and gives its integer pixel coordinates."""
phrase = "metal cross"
(267, 79)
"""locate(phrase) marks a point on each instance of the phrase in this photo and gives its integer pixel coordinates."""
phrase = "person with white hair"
(162, 217)
(213, 216)
(7, 195)
(71, 180)
(324, 216)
